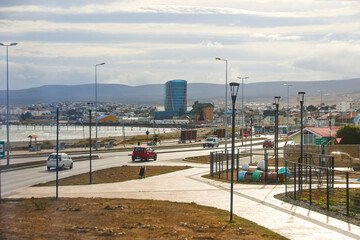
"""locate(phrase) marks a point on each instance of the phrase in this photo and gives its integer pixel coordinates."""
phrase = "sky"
(151, 42)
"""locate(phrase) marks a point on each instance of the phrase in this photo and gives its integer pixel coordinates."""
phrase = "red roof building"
(347, 119)
(310, 134)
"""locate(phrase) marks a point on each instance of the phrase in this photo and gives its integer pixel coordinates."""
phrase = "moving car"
(143, 153)
(268, 144)
(64, 161)
(211, 142)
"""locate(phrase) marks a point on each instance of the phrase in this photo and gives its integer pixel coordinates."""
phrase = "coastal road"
(13, 180)
(43, 156)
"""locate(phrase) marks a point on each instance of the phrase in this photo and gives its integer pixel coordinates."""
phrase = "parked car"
(143, 153)
(268, 144)
(64, 161)
(211, 142)
(344, 159)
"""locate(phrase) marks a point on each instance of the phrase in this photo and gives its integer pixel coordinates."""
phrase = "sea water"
(20, 133)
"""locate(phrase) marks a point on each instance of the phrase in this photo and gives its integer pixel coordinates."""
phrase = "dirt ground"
(98, 218)
(101, 218)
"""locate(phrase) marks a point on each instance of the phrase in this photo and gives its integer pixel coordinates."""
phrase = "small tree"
(311, 108)
(350, 134)
(25, 116)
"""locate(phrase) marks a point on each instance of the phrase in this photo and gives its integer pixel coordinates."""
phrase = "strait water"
(20, 133)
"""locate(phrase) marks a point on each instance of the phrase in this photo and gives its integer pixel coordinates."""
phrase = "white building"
(348, 105)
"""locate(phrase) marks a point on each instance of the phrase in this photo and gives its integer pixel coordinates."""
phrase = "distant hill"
(153, 94)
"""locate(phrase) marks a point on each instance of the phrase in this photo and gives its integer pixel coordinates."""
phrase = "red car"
(143, 153)
(268, 144)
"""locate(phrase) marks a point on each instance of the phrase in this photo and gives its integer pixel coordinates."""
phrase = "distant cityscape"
(177, 110)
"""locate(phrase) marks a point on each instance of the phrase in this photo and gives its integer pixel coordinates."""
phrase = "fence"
(313, 182)
(220, 163)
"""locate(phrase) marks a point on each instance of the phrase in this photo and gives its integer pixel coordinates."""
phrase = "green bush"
(349, 133)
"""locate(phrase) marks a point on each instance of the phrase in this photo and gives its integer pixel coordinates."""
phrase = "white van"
(211, 142)
(64, 161)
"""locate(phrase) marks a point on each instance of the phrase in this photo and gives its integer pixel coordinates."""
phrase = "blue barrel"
(241, 175)
(285, 172)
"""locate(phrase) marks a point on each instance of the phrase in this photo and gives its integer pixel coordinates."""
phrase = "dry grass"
(99, 218)
(110, 175)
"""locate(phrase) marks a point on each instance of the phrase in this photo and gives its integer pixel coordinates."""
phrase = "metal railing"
(220, 163)
(313, 182)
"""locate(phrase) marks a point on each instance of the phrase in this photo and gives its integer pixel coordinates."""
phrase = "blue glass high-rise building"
(176, 96)
(175, 100)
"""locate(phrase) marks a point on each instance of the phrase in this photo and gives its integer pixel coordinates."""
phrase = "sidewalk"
(253, 202)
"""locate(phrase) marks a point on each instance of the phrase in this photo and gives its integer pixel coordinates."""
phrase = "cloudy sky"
(148, 42)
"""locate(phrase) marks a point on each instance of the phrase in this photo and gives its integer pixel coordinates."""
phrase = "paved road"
(253, 202)
(14, 180)
(27, 157)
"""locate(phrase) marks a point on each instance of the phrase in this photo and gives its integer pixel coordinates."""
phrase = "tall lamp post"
(330, 130)
(96, 105)
(226, 122)
(321, 94)
(276, 104)
(90, 104)
(7, 102)
(251, 126)
(234, 88)
(90, 146)
(288, 108)
(242, 109)
(301, 99)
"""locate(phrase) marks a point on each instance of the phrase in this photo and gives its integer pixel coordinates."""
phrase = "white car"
(63, 161)
(211, 142)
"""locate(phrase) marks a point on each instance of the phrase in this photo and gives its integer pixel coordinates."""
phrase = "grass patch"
(101, 218)
(111, 175)
(337, 202)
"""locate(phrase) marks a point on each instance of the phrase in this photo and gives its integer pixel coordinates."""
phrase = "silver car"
(64, 161)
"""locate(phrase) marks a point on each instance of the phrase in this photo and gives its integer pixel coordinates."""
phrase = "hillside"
(153, 94)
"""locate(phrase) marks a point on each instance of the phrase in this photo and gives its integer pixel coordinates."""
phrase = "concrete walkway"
(253, 202)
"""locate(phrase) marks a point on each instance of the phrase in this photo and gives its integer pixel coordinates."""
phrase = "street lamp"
(90, 145)
(226, 123)
(321, 94)
(330, 130)
(234, 88)
(7, 102)
(90, 104)
(301, 99)
(251, 126)
(276, 104)
(96, 105)
(242, 108)
(288, 108)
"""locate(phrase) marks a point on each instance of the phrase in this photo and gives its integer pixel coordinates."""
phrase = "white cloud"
(301, 40)
(275, 36)
(209, 43)
(278, 9)
(20, 27)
